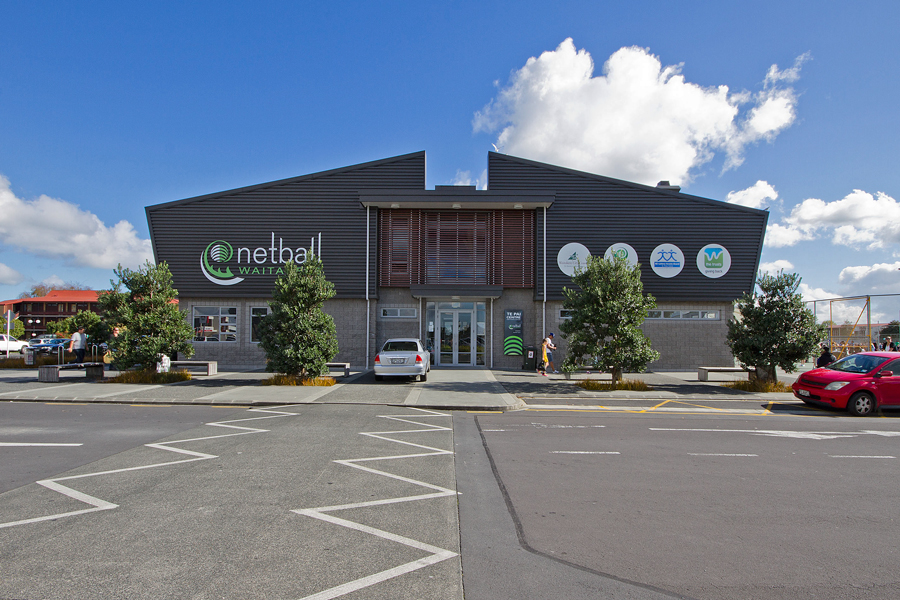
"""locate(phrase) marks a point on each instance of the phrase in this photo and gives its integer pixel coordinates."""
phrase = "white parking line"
(436, 554)
(20, 444)
(853, 456)
(717, 454)
(98, 504)
(579, 452)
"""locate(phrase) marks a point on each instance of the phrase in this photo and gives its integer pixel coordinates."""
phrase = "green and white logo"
(222, 264)
(211, 260)
(713, 260)
(623, 251)
(572, 256)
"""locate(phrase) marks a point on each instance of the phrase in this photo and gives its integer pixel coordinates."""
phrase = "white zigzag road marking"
(97, 504)
(436, 554)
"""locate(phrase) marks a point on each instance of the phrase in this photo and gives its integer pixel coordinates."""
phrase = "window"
(694, 315)
(400, 313)
(567, 314)
(256, 315)
(215, 323)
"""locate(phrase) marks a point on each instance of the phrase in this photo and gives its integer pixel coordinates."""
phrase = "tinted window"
(857, 363)
(400, 347)
(893, 366)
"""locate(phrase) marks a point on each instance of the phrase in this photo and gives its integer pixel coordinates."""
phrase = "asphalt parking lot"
(364, 490)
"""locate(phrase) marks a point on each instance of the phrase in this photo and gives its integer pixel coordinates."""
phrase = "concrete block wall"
(349, 317)
(683, 344)
(394, 327)
(513, 299)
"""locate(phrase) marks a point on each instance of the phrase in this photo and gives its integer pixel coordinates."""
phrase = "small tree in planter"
(607, 312)
(298, 337)
(148, 313)
(775, 328)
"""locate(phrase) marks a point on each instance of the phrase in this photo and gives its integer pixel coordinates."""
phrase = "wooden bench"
(703, 372)
(50, 373)
(344, 366)
(212, 366)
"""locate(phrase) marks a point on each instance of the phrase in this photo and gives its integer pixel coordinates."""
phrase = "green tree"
(16, 329)
(42, 289)
(775, 328)
(298, 337)
(892, 329)
(143, 303)
(607, 313)
(94, 326)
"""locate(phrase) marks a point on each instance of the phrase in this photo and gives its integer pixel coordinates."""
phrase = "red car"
(861, 383)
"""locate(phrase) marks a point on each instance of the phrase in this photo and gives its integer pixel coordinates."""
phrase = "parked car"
(10, 344)
(51, 346)
(402, 357)
(860, 383)
(42, 339)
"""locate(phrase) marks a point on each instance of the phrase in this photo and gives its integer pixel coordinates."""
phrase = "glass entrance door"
(455, 333)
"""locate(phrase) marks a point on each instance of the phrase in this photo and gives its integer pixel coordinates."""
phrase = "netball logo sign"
(713, 260)
(667, 260)
(223, 265)
(215, 254)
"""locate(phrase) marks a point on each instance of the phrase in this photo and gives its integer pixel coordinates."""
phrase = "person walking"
(78, 344)
(549, 347)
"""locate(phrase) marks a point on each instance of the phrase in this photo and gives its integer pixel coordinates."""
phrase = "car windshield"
(857, 363)
(400, 347)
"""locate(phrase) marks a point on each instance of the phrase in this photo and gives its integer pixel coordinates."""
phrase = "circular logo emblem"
(572, 256)
(216, 253)
(623, 251)
(667, 260)
(713, 260)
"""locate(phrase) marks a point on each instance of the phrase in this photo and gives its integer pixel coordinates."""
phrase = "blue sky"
(107, 107)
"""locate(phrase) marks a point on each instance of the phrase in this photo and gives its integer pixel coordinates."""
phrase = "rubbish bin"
(530, 358)
(29, 356)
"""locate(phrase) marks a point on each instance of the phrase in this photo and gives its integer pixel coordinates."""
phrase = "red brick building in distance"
(35, 313)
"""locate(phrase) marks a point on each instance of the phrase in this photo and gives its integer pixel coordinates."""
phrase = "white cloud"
(878, 278)
(78, 236)
(754, 196)
(465, 178)
(9, 276)
(779, 236)
(639, 120)
(778, 265)
(858, 219)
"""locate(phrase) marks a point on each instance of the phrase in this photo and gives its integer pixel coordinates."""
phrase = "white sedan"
(10, 344)
(402, 357)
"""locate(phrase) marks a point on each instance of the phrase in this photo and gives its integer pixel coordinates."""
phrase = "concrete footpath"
(445, 389)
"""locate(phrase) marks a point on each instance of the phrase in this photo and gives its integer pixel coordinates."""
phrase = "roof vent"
(665, 185)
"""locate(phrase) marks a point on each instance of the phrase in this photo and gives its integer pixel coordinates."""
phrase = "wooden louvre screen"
(399, 249)
(512, 252)
(459, 247)
(456, 247)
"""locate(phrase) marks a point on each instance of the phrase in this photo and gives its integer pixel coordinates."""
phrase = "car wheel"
(22, 350)
(379, 377)
(861, 404)
(423, 377)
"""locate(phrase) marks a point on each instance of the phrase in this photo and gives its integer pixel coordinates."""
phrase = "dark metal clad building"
(459, 268)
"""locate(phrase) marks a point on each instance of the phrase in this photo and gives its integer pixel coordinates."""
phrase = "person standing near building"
(78, 344)
(549, 347)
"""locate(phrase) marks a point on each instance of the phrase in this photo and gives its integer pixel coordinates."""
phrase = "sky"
(788, 106)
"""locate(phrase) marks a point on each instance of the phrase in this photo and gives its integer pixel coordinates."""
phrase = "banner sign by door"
(512, 333)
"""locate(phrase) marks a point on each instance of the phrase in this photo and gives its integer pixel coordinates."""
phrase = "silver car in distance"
(402, 357)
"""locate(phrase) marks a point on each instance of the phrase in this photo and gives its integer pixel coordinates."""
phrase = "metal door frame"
(439, 312)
